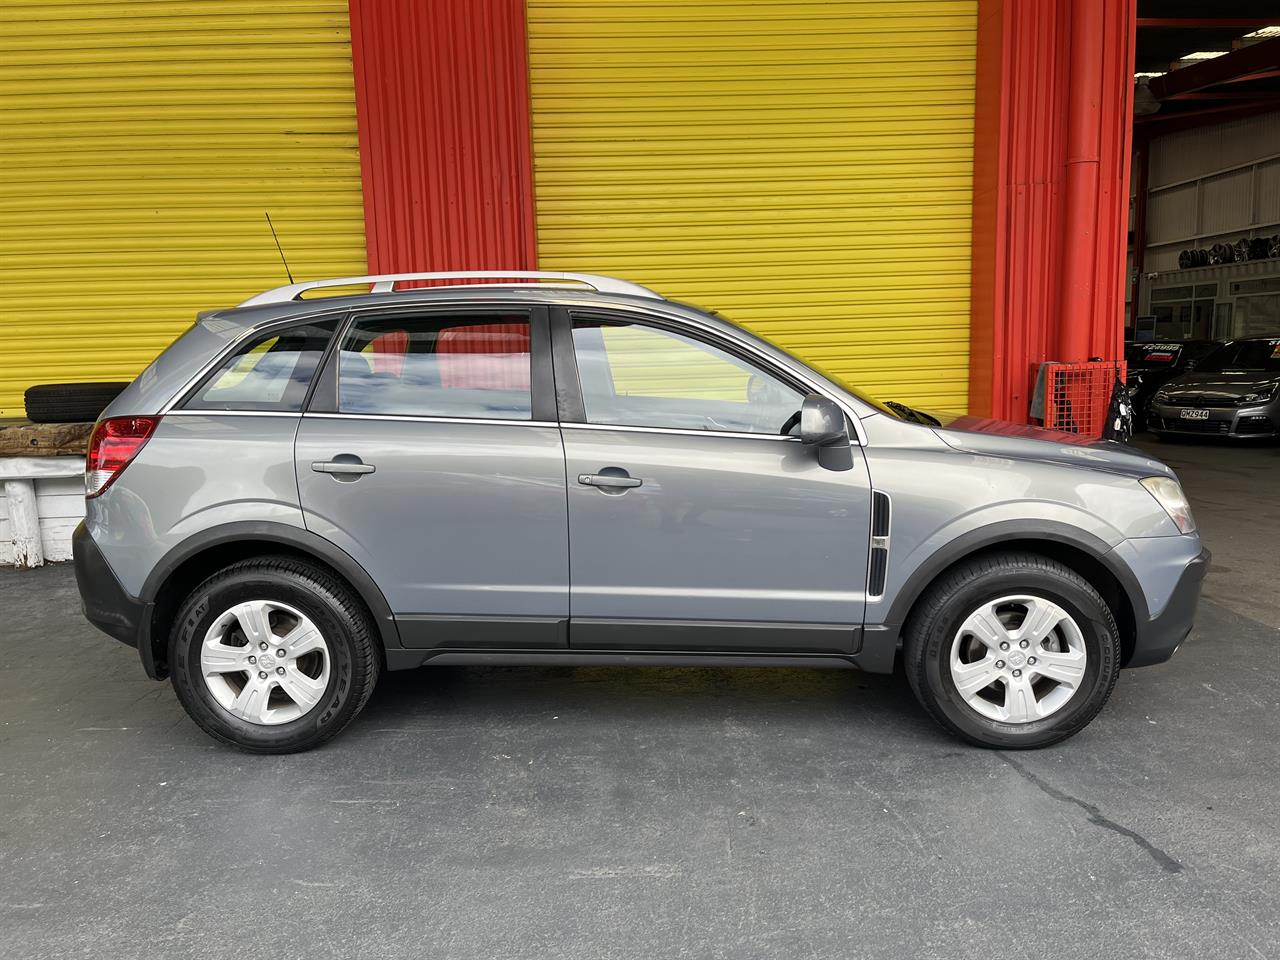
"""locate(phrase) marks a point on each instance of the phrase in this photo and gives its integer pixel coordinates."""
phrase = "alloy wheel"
(265, 662)
(1018, 659)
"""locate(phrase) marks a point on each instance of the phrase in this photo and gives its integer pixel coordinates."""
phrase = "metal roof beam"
(1255, 58)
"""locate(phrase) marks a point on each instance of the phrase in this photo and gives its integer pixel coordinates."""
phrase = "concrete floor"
(611, 813)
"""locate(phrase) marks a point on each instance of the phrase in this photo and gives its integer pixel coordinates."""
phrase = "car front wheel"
(1012, 650)
(272, 655)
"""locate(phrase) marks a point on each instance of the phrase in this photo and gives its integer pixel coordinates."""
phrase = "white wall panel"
(1171, 214)
(1190, 154)
(1227, 203)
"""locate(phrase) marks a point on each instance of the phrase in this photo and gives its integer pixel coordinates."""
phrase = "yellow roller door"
(805, 168)
(140, 143)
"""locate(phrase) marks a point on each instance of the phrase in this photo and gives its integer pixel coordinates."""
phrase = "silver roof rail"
(386, 283)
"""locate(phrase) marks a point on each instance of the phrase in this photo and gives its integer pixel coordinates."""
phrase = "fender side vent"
(878, 560)
(879, 514)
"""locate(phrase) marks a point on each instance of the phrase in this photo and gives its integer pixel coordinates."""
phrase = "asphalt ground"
(655, 813)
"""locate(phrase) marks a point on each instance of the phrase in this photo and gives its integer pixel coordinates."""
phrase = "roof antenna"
(287, 272)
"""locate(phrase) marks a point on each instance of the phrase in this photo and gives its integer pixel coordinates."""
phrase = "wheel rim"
(265, 662)
(1018, 659)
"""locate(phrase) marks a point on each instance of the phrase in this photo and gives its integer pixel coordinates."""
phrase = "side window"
(641, 376)
(469, 366)
(269, 373)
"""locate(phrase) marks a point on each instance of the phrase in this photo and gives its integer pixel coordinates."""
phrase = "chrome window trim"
(423, 418)
(678, 431)
(234, 413)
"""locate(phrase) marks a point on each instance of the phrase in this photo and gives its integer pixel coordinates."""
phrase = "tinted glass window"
(271, 372)
(1145, 356)
(468, 366)
(643, 376)
(1253, 355)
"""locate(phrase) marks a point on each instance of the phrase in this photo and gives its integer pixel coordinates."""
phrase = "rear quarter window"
(270, 372)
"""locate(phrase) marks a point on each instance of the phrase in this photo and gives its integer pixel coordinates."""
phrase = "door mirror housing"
(822, 422)
(823, 426)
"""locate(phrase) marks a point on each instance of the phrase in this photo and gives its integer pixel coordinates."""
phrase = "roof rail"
(386, 283)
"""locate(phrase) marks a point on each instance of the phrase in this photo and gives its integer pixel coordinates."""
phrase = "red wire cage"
(1077, 395)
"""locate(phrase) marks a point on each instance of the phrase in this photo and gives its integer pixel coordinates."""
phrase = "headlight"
(1168, 494)
(1259, 396)
(1162, 396)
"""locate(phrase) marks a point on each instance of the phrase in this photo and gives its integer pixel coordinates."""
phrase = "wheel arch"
(188, 564)
(1077, 549)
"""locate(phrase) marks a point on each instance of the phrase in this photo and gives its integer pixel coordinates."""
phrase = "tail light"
(114, 444)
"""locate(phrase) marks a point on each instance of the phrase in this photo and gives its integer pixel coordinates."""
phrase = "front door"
(431, 455)
(696, 520)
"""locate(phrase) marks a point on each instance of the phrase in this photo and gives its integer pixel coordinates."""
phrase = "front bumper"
(106, 604)
(1159, 638)
(1256, 422)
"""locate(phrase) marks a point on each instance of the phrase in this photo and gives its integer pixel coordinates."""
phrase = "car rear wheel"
(273, 655)
(1012, 650)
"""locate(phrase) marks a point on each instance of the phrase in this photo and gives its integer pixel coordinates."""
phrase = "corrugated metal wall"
(1212, 185)
(442, 97)
(140, 144)
(803, 167)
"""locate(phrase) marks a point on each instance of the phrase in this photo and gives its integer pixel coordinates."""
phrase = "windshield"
(888, 408)
(1152, 355)
(1253, 356)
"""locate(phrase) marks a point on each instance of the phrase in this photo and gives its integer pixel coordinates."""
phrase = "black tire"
(342, 619)
(944, 607)
(69, 402)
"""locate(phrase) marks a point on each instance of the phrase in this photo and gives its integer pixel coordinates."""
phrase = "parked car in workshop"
(1232, 392)
(572, 470)
(1151, 365)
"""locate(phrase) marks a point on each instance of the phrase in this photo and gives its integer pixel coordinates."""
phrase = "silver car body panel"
(196, 473)
(478, 534)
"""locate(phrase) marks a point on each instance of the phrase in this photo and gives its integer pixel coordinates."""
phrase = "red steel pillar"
(442, 108)
(1051, 166)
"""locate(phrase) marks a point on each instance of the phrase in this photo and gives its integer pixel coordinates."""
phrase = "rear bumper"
(1159, 638)
(106, 604)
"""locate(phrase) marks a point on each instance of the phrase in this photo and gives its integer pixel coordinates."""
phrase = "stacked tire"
(69, 402)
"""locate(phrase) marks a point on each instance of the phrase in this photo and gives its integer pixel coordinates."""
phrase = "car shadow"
(648, 696)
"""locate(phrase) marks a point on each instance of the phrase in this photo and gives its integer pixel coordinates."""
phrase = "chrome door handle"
(342, 467)
(606, 480)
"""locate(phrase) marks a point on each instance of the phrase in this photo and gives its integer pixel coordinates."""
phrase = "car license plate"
(1195, 414)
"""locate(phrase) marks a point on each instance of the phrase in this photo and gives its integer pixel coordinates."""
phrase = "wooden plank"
(21, 438)
(31, 468)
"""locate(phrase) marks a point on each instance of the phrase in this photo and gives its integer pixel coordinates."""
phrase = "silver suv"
(567, 469)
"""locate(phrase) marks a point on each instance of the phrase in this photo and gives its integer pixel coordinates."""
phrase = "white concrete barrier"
(42, 501)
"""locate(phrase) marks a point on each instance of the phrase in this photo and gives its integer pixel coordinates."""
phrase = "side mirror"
(822, 425)
(822, 422)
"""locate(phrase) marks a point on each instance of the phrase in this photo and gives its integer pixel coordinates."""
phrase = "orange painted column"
(442, 107)
(1051, 172)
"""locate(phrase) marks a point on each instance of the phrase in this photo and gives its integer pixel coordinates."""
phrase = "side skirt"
(408, 659)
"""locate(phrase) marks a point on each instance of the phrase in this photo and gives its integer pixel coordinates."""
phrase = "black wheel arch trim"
(1003, 532)
(286, 535)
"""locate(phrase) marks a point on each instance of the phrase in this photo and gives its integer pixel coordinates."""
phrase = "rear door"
(696, 520)
(431, 455)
